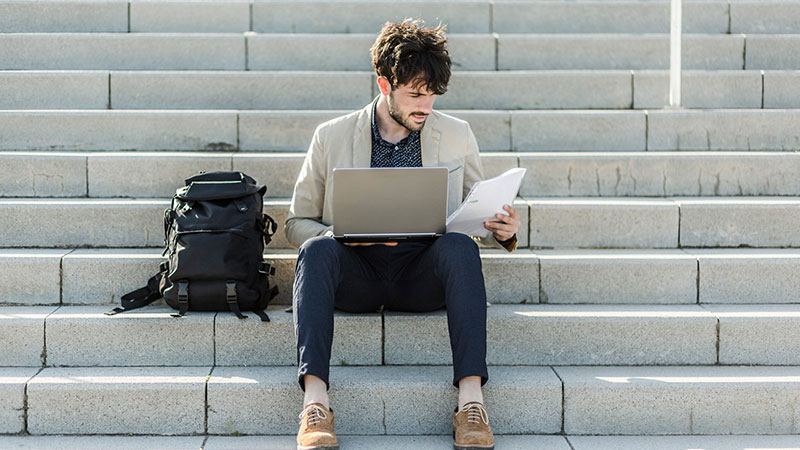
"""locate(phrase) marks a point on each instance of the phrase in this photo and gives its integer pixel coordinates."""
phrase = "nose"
(425, 106)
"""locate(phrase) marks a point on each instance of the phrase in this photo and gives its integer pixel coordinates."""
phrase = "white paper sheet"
(485, 199)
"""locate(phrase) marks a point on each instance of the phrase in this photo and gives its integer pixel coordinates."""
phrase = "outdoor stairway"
(654, 291)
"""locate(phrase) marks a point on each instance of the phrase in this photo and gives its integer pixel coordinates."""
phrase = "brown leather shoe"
(471, 428)
(316, 429)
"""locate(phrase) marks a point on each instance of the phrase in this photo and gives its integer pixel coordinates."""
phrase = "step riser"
(494, 130)
(362, 407)
(539, 337)
(517, 335)
(101, 277)
(535, 52)
(135, 223)
(154, 175)
(656, 223)
(596, 400)
(172, 404)
(351, 90)
(660, 175)
(157, 175)
(642, 400)
(359, 17)
(237, 51)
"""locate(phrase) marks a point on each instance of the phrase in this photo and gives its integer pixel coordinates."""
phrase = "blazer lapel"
(430, 138)
(362, 141)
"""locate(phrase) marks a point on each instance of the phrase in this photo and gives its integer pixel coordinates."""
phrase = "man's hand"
(507, 226)
(361, 244)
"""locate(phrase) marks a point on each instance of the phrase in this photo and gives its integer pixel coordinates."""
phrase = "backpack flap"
(220, 176)
(216, 190)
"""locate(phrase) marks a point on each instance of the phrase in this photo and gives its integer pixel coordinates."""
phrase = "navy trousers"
(410, 277)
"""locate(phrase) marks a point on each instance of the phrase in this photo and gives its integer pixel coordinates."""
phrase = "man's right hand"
(360, 244)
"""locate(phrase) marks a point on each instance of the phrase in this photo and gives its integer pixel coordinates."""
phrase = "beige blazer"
(347, 142)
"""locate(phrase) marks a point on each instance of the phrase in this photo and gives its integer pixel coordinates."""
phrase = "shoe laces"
(315, 413)
(476, 412)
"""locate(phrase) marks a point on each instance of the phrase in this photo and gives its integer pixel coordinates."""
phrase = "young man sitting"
(398, 129)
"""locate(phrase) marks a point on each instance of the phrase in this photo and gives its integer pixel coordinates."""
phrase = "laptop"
(389, 204)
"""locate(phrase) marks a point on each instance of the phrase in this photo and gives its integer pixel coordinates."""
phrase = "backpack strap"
(260, 313)
(233, 301)
(140, 297)
(268, 226)
(183, 298)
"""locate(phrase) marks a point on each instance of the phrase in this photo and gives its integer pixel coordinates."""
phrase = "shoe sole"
(470, 447)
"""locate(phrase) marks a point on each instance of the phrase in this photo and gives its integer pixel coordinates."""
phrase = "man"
(398, 129)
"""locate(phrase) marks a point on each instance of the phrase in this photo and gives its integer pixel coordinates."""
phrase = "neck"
(390, 130)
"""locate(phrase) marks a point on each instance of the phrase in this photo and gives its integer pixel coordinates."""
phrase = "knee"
(457, 251)
(457, 244)
(319, 247)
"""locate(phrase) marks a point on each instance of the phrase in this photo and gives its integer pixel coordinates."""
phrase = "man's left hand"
(506, 226)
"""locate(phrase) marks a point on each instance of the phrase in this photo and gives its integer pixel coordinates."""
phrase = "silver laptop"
(389, 204)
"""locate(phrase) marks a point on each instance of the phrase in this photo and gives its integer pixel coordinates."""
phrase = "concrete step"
(562, 174)
(157, 174)
(687, 276)
(496, 130)
(697, 400)
(82, 336)
(102, 276)
(216, 51)
(371, 401)
(206, 130)
(662, 223)
(365, 17)
(311, 51)
(582, 222)
(292, 90)
(659, 174)
(680, 400)
(620, 51)
(416, 442)
(758, 16)
(738, 442)
(79, 336)
(122, 222)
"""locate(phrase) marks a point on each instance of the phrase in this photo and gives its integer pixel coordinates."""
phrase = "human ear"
(384, 85)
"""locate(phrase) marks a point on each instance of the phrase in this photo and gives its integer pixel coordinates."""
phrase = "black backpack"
(214, 235)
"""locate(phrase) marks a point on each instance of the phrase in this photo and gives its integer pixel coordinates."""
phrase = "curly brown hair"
(408, 52)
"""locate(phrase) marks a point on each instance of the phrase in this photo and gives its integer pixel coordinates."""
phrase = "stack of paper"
(485, 199)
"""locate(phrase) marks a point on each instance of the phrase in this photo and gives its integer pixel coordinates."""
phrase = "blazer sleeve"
(473, 172)
(305, 213)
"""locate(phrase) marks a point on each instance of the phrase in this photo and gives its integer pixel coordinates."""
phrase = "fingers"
(502, 227)
(511, 211)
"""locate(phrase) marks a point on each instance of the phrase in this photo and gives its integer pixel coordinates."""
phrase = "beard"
(404, 121)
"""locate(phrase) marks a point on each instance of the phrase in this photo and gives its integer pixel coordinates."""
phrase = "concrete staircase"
(654, 293)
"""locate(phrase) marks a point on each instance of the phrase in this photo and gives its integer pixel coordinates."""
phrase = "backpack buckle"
(183, 298)
(183, 291)
(230, 291)
(266, 268)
